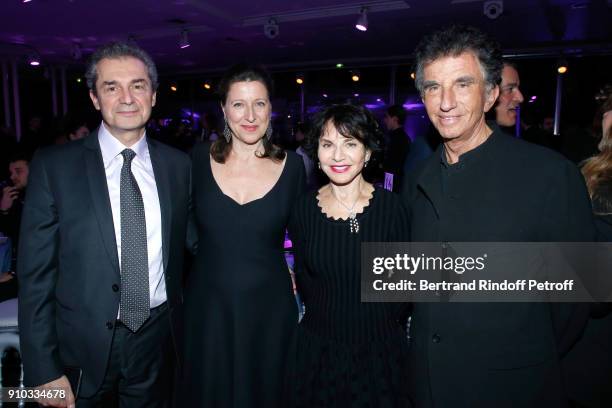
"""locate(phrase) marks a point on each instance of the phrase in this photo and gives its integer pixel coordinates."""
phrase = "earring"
(269, 132)
(227, 133)
(319, 164)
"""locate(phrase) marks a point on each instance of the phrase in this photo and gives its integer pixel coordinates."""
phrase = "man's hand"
(63, 384)
(9, 194)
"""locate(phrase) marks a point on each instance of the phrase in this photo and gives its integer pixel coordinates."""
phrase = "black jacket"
(495, 354)
(68, 262)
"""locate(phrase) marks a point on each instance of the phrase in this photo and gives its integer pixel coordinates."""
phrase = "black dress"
(240, 311)
(349, 354)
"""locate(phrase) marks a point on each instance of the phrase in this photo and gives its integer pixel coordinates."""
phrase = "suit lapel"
(100, 199)
(163, 190)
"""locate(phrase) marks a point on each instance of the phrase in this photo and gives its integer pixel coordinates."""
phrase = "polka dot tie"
(134, 303)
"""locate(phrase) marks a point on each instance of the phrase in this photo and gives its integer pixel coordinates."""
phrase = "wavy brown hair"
(598, 169)
(220, 149)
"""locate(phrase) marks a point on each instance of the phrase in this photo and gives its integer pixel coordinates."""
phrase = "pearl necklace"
(353, 223)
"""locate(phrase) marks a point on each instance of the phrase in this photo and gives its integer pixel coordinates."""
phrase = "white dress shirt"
(142, 169)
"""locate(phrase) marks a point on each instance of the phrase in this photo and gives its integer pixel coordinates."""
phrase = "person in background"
(240, 311)
(509, 99)
(311, 175)
(349, 353)
(398, 146)
(588, 367)
(13, 195)
(11, 208)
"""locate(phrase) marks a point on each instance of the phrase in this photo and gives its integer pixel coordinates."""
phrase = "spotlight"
(299, 79)
(355, 76)
(271, 29)
(173, 88)
(562, 66)
(412, 75)
(339, 65)
(184, 42)
(34, 59)
(362, 21)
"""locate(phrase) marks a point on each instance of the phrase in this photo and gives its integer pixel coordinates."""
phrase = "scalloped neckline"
(363, 211)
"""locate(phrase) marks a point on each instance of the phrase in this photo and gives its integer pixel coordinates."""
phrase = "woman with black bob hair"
(240, 312)
(349, 354)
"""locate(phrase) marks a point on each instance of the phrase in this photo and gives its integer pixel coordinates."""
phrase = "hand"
(63, 384)
(9, 194)
(5, 277)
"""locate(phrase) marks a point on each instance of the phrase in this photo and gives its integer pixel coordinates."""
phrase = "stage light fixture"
(299, 79)
(362, 21)
(184, 42)
(355, 76)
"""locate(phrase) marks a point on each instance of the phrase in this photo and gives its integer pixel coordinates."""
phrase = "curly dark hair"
(351, 121)
(455, 40)
(220, 149)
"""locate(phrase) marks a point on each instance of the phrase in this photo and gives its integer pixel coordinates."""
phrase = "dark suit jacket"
(68, 262)
(496, 354)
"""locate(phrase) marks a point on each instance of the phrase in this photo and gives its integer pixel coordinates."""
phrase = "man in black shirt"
(482, 185)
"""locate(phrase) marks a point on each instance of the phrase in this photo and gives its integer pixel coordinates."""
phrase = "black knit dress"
(349, 354)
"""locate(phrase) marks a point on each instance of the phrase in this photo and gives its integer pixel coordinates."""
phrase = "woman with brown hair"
(597, 172)
(240, 312)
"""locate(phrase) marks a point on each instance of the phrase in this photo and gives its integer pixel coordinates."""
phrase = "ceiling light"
(299, 79)
(355, 76)
(412, 75)
(34, 59)
(173, 88)
(362, 21)
(562, 65)
(339, 65)
(207, 85)
(184, 42)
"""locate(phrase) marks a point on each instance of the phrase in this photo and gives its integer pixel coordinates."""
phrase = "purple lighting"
(35, 63)
(356, 95)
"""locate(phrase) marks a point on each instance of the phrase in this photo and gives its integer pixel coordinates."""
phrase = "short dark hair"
(397, 111)
(19, 155)
(350, 121)
(116, 50)
(455, 40)
(220, 149)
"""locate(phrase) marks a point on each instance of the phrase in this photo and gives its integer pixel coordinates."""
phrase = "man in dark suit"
(101, 255)
(484, 186)
(398, 144)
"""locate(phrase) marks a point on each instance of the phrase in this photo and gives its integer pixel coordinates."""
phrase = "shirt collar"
(111, 147)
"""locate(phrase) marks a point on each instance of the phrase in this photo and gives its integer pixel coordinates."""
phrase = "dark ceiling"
(310, 33)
